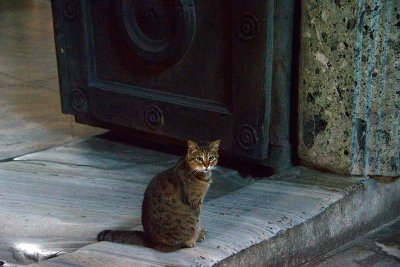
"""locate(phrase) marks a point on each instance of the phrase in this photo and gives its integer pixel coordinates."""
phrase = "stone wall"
(349, 113)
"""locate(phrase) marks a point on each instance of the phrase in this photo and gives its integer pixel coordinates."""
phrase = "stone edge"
(363, 209)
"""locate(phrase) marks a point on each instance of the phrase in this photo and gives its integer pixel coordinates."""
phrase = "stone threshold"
(285, 220)
(54, 202)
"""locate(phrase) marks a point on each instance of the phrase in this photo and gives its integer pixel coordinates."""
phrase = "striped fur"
(172, 203)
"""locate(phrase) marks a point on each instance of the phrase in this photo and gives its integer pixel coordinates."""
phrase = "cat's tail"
(124, 237)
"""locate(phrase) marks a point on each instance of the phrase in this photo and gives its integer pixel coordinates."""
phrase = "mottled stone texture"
(349, 116)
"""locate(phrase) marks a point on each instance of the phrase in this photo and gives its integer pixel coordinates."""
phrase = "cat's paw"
(190, 244)
(202, 235)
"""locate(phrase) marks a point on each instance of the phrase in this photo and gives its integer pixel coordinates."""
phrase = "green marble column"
(349, 113)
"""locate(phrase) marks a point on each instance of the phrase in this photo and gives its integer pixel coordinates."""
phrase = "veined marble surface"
(57, 200)
(235, 221)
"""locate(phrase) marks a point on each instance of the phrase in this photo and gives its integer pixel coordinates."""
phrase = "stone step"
(55, 202)
(286, 220)
(380, 247)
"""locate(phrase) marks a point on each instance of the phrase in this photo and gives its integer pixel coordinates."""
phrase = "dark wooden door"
(182, 69)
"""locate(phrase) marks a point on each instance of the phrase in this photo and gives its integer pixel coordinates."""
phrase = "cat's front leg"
(202, 235)
(191, 243)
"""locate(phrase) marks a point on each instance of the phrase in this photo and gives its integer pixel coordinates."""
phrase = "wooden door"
(181, 69)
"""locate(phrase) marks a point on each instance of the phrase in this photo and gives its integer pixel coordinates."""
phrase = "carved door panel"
(177, 68)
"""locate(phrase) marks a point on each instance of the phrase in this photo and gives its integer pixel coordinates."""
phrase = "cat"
(172, 203)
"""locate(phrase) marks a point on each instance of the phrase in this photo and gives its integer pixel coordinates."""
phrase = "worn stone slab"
(365, 206)
(243, 219)
(380, 247)
(282, 221)
(57, 200)
(349, 119)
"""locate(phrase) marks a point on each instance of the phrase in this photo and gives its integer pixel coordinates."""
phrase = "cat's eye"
(211, 158)
(199, 159)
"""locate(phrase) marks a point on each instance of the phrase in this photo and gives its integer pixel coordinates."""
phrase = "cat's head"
(202, 157)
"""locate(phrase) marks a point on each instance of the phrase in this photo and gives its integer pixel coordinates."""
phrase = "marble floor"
(57, 200)
(30, 112)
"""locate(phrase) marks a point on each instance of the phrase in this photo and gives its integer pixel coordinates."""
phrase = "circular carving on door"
(248, 28)
(70, 8)
(158, 31)
(247, 137)
(78, 100)
(154, 117)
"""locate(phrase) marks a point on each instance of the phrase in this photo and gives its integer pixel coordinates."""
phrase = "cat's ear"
(192, 146)
(214, 145)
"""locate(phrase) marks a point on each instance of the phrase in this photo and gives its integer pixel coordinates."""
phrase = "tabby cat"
(172, 202)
